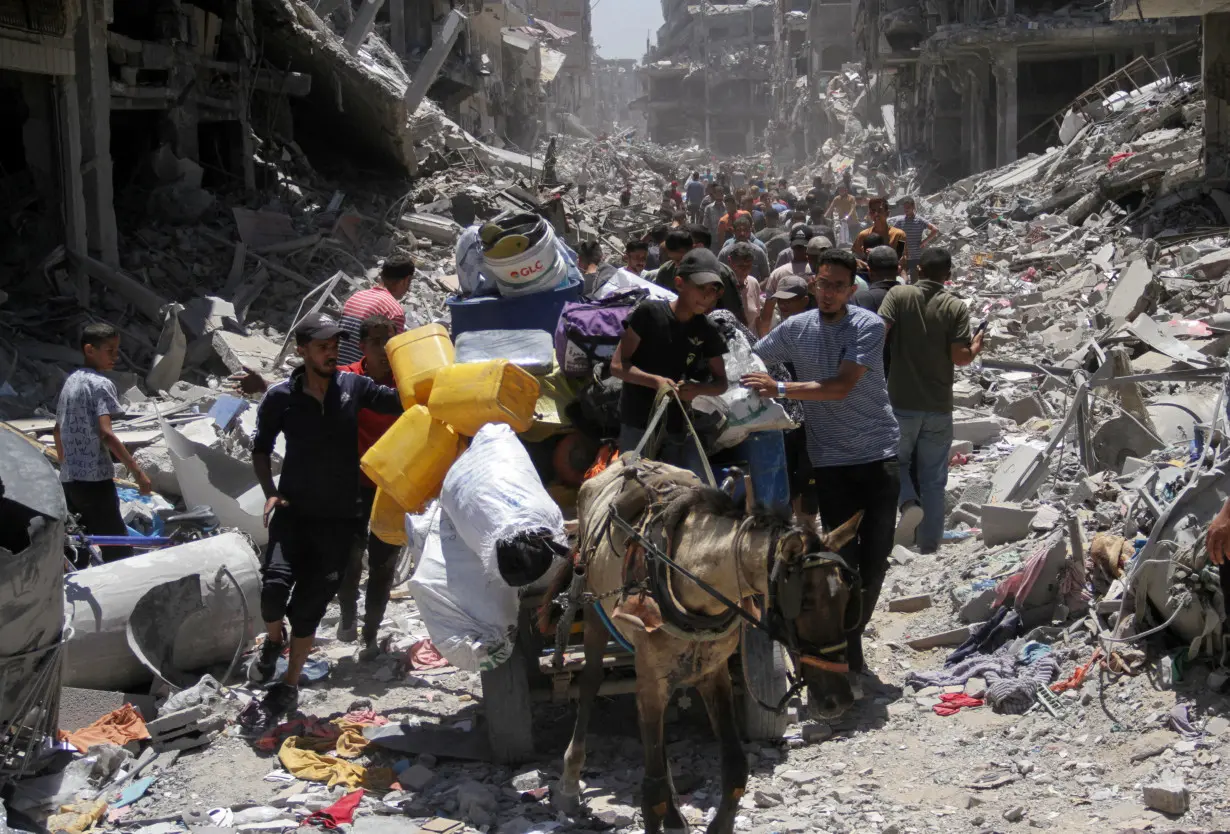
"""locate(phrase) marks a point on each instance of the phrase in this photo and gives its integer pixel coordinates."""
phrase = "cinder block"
(979, 431)
(175, 720)
(908, 605)
(1004, 523)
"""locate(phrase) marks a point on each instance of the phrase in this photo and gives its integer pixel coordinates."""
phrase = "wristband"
(781, 390)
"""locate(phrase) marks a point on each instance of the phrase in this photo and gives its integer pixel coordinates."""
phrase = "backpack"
(589, 331)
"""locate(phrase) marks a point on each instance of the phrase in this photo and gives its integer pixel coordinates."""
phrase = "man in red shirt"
(384, 299)
(374, 332)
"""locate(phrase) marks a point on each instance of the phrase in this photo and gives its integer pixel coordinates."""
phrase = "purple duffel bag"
(588, 331)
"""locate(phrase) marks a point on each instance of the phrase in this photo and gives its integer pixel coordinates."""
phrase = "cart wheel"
(506, 698)
(764, 668)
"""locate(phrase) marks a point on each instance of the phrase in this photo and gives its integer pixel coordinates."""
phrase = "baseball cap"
(700, 266)
(317, 326)
(818, 244)
(792, 286)
(882, 259)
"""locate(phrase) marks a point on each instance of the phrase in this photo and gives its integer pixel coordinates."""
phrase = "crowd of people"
(853, 307)
(852, 302)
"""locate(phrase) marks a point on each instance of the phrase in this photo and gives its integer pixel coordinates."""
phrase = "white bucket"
(538, 269)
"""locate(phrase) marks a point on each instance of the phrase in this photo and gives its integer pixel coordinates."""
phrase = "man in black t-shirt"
(663, 345)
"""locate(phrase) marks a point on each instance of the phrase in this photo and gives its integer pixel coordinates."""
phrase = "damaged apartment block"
(151, 98)
(710, 77)
(966, 112)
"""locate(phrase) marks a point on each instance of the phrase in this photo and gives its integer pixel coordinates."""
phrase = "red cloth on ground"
(318, 734)
(424, 655)
(366, 717)
(953, 702)
(339, 813)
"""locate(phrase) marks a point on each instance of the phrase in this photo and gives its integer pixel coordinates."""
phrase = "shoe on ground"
(347, 631)
(281, 699)
(907, 527)
(264, 663)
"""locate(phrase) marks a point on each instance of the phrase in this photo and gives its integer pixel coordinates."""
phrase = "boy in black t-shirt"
(664, 343)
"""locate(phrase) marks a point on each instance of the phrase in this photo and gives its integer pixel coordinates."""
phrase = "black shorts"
(303, 568)
(802, 477)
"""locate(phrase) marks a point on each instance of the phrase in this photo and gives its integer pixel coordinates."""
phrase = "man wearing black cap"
(314, 512)
(664, 344)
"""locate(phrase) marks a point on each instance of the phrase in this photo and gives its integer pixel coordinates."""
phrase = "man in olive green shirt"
(929, 335)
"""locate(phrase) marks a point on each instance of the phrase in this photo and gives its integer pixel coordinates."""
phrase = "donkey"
(730, 548)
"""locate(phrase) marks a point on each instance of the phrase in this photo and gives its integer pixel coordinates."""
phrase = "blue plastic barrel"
(537, 311)
(763, 458)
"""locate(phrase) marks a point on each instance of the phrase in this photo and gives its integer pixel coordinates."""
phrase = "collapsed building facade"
(151, 104)
(616, 85)
(710, 77)
(975, 85)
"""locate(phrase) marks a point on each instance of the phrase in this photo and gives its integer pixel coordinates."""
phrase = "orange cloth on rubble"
(314, 767)
(119, 727)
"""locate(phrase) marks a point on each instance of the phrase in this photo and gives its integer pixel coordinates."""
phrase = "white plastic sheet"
(622, 281)
(469, 611)
(493, 492)
(744, 409)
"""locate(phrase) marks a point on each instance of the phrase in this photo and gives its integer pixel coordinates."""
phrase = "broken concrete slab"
(238, 352)
(1004, 523)
(979, 431)
(1118, 439)
(1018, 477)
(910, 605)
(433, 227)
(1020, 410)
(1131, 294)
(952, 637)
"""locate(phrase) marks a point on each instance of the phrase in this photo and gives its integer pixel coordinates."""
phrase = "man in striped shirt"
(837, 352)
(914, 227)
(384, 299)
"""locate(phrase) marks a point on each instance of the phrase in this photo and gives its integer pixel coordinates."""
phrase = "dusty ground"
(890, 765)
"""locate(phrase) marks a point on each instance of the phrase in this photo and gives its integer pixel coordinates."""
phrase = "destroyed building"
(964, 113)
(616, 84)
(1215, 40)
(709, 78)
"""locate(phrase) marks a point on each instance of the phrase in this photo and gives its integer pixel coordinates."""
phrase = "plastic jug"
(470, 396)
(388, 520)
(416, 356)
(410, 460)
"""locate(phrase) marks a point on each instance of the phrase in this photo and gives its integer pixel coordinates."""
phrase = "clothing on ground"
(376, 301)
(86, 396)
(320, 470)
(953, 702)
(303, 567)
(311, 766)
(859, 428)
(925, 322)
(842, 491)
(117, 727)
(339, 813)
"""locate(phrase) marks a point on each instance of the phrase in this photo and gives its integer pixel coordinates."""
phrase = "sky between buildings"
(619, 27)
